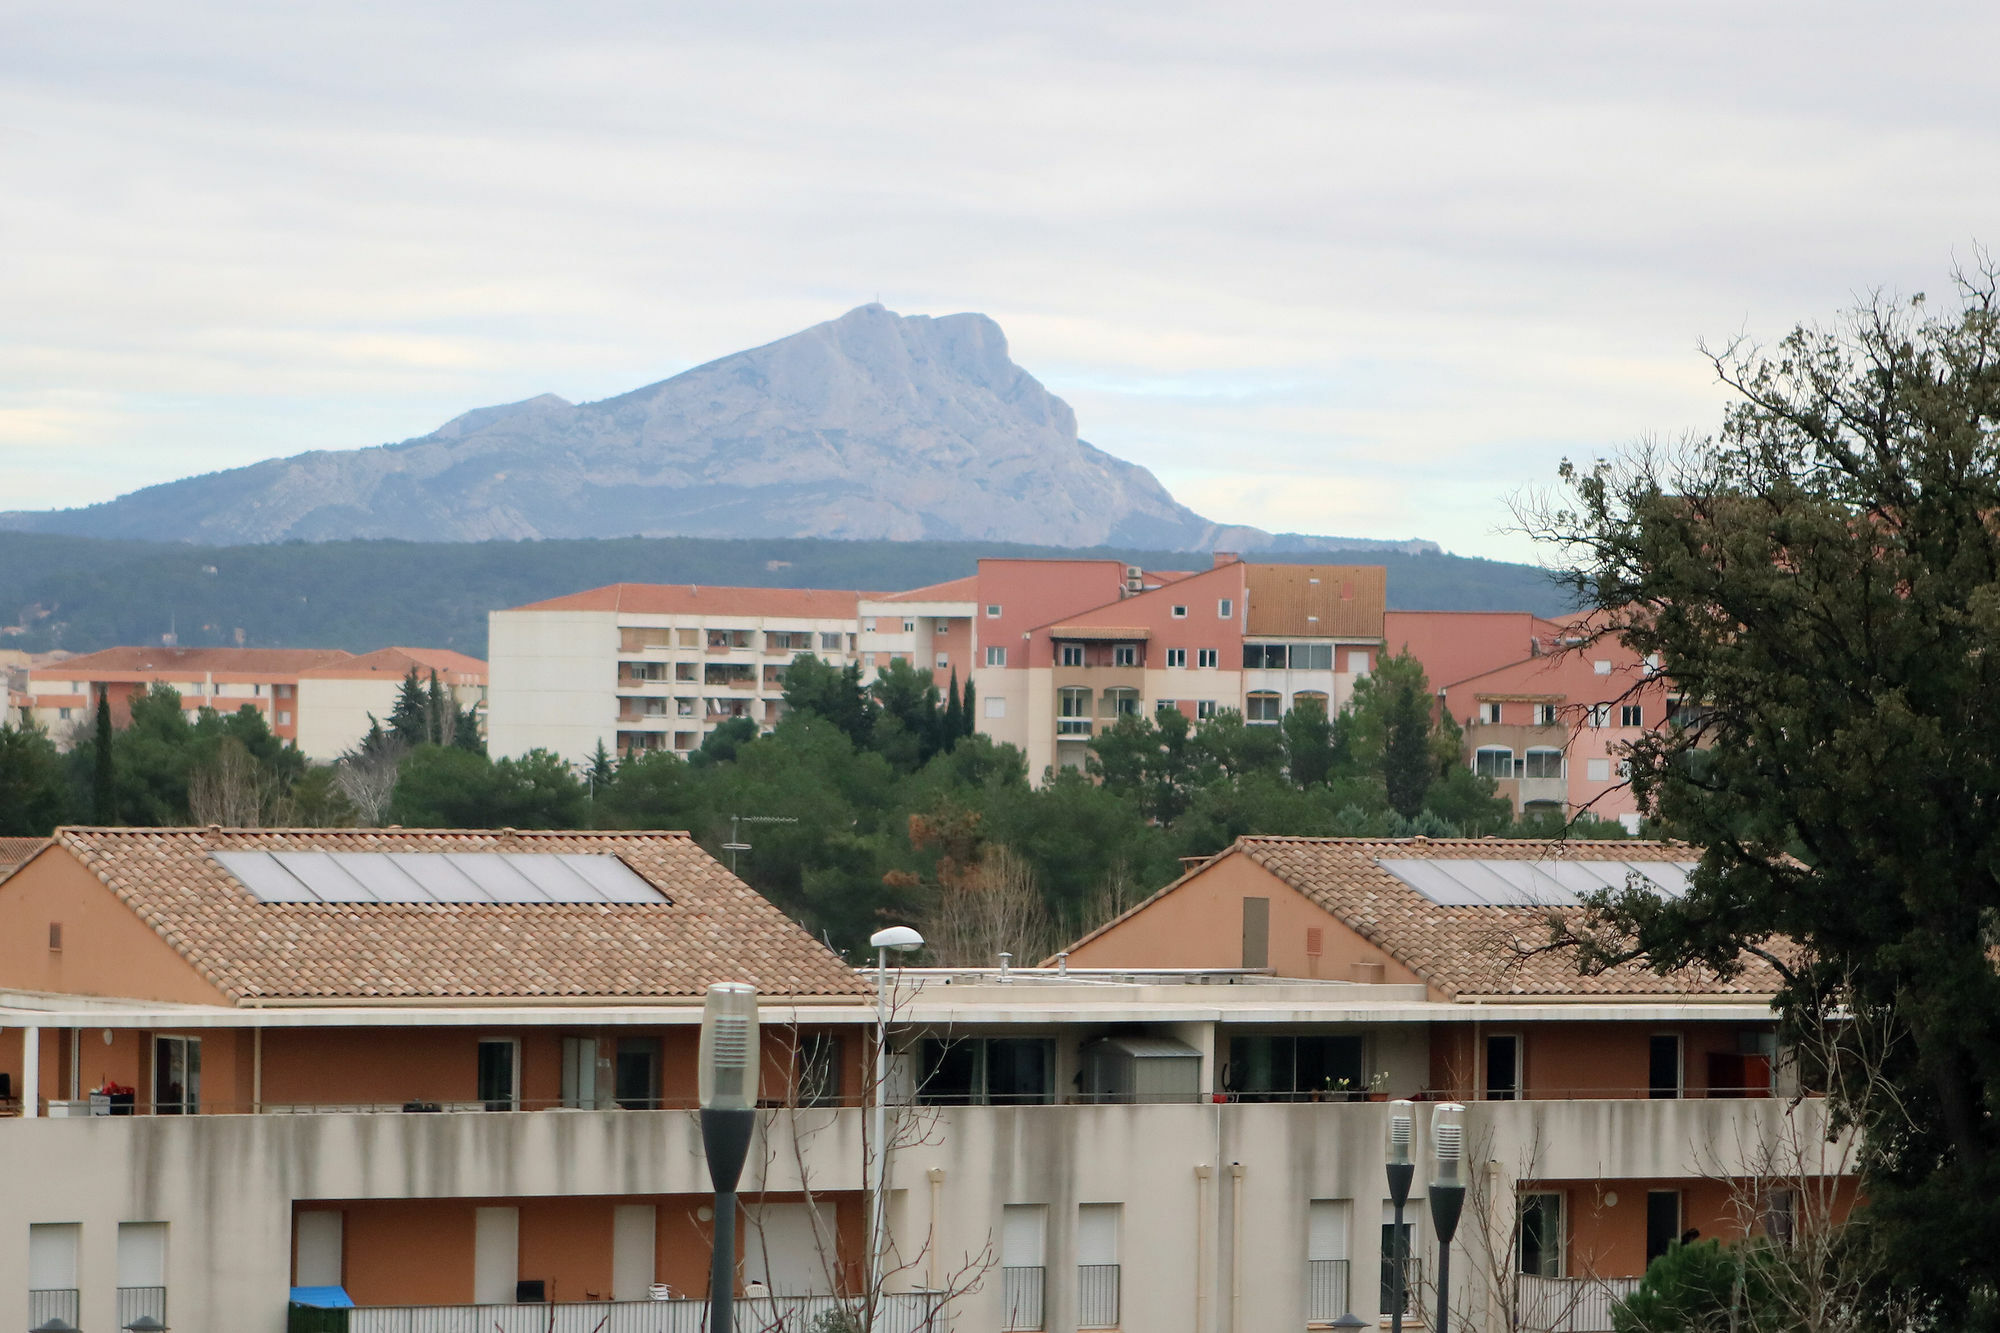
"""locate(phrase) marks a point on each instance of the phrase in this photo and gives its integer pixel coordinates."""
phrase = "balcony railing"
(1569, 1304)
(1326, 1290)
(1072, 726)
(135, 1302)
(1021, 1295)
(1097, 1295)
(53, 1303)
(897, 1312)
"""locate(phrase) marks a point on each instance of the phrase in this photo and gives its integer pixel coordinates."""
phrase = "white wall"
(552, 679)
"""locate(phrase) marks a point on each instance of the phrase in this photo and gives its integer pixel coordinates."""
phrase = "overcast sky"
(1356, 269)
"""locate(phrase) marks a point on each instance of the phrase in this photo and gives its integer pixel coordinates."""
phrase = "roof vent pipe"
(1062, 963)
(1005, 960)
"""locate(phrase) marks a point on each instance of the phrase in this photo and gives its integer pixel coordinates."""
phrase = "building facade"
(471, 1087)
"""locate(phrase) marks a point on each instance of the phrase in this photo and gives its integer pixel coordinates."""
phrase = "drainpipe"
(936, 1175)
(1202, 1174)
(257, 1070)
(1236, 1247)
(31, 1072)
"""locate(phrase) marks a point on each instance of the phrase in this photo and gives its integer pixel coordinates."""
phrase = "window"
(996, 706)
(1663, 1066)
(1023, 1234)
(1629, 715)
(579, 1073)
(1493, 762)
(1121, 703)
(1072, 711)
(829, 643)
(1311, 657)
(1176, 657)
(818, 1070)
(142, 1271)
(1663, 1221)
(1204, 709)
(941, 627)
(176, 1075)
(909, 627)
(1207, 658)
(1544, 764)
(1545, 715)
(52, 1268)
(1602, 668)
(1357, 661)
(1225, 609)
(1503, 1068)
(1180, 613)
(1125, 654)
(1600, 715)
(63, 714)
(635, 1074)
(993, 610)
(1399, 1257)
(1072, 654)
(684, 671)
(987, 1071)
(1097, 1226)
(1256, 932)
(284, 692)
(1286, 1068)
(1263, 707)
(1264, 657)
(1597, 770)
(1542, 1234)
(1326, 1260)
(943, 660)
(500, 1073)
(284, 717)
(1489, 713)
(996, 656)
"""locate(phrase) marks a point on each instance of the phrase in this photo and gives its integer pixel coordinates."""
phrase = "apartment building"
(1545, 717)
(461, 1099)
(636, 667)
(340, 700)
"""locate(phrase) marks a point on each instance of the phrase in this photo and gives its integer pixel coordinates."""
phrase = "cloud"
(1382, 263)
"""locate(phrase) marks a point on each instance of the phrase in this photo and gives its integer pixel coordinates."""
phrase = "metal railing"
(1413, 1284)
(1021, 1294)
(1568, 1304)
(53, 1303)
(897, 1312)
(133, 1302)
(1326, 1290)
(1097, 1295)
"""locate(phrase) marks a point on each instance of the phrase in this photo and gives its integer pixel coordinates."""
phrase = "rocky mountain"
(873, 425)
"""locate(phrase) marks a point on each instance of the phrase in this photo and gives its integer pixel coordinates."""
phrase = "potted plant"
(1378, 1087)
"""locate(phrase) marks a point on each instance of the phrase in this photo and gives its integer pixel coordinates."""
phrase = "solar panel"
(437, 877)
(1516, 883)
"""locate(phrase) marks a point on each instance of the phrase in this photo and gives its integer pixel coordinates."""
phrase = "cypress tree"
(439, 719)
(954, 715)
(970, 718)
(104, 776)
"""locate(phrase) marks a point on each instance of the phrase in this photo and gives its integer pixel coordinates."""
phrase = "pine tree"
(407, 719)
(440, 719)
(969, 719)
(954, 715)
(104, 774)
(601, 770)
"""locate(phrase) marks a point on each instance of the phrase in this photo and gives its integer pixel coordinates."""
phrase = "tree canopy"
(1821, 581)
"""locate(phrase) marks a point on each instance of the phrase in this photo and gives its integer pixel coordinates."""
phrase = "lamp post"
(1402, 1119)
(903, 940)
(1447, 1195)
(729, 1068)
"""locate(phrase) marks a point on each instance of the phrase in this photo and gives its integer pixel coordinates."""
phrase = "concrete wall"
(552, 682)
(227, 1186)
(333, 713)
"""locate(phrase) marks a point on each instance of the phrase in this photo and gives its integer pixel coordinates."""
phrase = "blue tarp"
(326, 1298)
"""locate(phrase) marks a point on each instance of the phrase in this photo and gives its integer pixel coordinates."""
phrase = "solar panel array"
(437, 877)
(1474, 883)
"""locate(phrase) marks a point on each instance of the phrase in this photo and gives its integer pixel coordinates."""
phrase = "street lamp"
(729, 1069)
(1402, 1120)
(903, 940)
(145, 1323)
(55, 1323)
(1447, 1195)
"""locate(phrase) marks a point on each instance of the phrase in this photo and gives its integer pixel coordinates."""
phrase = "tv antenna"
(736, 843)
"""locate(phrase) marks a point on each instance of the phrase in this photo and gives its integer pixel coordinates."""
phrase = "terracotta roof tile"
(180, 662)
(712, 927)
(685, 599)
(397, 662)
(954, 590)
(14, 853)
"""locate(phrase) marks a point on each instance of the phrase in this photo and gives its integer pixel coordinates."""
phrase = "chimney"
(1227, 558)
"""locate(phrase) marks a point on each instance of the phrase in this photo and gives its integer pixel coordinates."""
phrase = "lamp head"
(145, 1323)
(1402, 1121)
(1448, 1143)
(729, 1048)
(899, 938)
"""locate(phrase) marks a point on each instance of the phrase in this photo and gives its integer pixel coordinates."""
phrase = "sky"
(1367, 270)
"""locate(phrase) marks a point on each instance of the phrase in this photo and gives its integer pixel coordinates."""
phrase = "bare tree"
(366, 776)
(990, 907)
(232, 789)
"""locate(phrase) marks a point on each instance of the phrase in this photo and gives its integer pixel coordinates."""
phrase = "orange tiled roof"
(683, 599)
(1315, 601)
(14, 852)
(713, 927)
(1465, 950)
(952, 590)
(182, 662)
(397, 662)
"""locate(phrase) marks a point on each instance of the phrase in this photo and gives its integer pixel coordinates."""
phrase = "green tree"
(103, 768)
(34, 789)
(1822, 582)
(834, 693)
(1309, 736)
(954, 714)
(601, 771)
(722, 744)
(908, 715)
(446, 787)
(409, 720)
(970, 725)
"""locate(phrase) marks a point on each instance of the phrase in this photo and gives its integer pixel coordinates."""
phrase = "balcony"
(137, 1302)
(899, 1312)
(1073, 727)
(48, 1303)
(1097, 1296)
(1326, 1290)
(1021, 1298)
(1568, 1304)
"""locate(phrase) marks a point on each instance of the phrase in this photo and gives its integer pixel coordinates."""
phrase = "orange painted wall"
(107, 949)
(1609, 1239)
(567, 1244)
(1200, 924)
(1571, 1060)
(407, 1251)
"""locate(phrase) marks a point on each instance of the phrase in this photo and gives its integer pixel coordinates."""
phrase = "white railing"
(1569, 1304)
(898, 1312)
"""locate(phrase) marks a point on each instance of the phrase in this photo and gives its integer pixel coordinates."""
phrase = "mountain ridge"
(870, 426)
